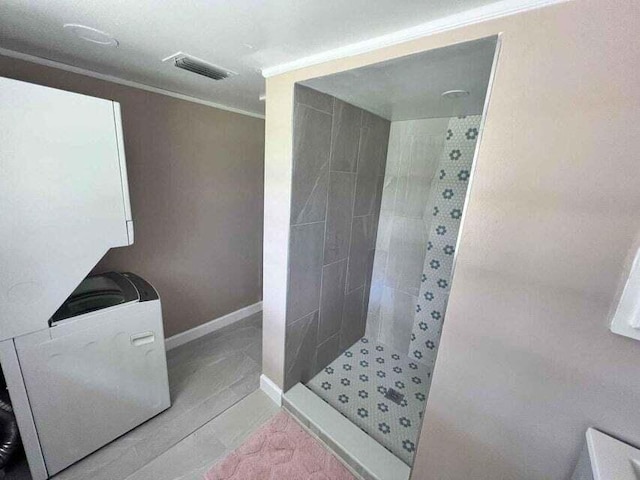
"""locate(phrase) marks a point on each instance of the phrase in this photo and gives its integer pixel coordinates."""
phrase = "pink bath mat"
(280, 450)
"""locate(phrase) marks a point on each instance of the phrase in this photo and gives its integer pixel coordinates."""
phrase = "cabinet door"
(63, 202)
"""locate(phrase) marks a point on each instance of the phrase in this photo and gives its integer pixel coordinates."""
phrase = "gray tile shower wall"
(342, 188)
(305, 269)
(415, 151)
(339, 156)
(332, 294)
(312, 137)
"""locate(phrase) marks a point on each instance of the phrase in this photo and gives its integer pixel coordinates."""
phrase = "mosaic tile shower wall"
(445, 204)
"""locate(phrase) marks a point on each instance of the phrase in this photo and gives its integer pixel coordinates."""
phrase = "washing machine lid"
(95, 293)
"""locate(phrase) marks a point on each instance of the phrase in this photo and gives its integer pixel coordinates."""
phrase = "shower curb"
(361, 453)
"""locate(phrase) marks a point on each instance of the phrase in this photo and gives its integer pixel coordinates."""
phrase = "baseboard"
(271, 389)
(215, 324)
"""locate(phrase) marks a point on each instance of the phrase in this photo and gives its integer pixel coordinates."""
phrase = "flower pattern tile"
(356, 385)
(446, 205)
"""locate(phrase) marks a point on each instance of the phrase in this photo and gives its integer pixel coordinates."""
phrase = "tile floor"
(355, 384)
(194, 455)
(207, 378)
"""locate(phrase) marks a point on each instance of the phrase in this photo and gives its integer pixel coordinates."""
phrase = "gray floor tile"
(197, 451)
(237, 423)
(195, 454)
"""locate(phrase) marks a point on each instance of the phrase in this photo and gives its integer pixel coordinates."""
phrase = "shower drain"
(394, 395)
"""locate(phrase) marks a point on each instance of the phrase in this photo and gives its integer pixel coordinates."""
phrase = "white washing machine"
(98, 371)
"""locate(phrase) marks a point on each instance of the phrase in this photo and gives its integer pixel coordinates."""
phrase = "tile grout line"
(335, 261)
(324, 233)
(313, 108)
(353, 206)
(305, 224)
(228, 449)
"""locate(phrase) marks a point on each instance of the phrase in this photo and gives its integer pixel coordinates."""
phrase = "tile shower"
(375, 214)
(427, 174)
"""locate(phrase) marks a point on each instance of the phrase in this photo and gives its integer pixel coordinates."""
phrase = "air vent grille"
(201, 68)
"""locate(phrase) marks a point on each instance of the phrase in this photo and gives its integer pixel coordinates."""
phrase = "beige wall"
(196, 185)
(526, 361)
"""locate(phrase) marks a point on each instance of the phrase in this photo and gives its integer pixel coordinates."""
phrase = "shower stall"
(382, 161)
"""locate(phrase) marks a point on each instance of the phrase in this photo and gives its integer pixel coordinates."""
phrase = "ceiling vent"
(196, 65)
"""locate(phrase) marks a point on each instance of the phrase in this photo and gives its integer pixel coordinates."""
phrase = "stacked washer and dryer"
(83, 357)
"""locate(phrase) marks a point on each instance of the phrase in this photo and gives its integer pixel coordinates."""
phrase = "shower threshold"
(364, 456)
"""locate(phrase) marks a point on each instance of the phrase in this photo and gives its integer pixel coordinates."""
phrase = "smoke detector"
(196, 65)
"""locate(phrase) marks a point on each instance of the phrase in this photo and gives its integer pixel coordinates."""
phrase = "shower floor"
(356, 384)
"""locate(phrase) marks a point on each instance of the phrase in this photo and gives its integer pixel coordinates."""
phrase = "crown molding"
(121, 81)
(492, 11)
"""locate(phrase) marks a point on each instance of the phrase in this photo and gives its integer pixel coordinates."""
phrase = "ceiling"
(245, 36)
(411, 87)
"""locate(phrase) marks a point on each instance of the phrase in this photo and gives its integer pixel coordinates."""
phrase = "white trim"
(498, 9)
(121, 81)
(273, 391)
(211, 326)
